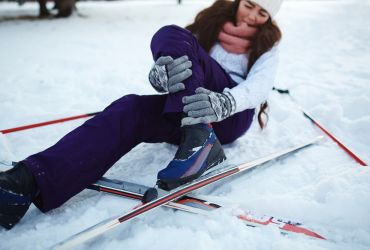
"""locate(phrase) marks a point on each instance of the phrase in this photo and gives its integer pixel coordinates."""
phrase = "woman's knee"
(172, 40)
(170, 32)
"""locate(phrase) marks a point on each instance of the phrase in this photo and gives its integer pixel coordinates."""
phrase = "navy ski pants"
(86, 153)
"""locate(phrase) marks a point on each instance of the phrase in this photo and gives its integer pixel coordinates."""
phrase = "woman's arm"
(206, 106)
(253, 91)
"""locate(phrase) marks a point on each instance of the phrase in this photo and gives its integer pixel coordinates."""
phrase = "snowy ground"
(56, 68)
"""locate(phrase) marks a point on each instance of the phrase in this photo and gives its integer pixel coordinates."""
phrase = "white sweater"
(253, 90)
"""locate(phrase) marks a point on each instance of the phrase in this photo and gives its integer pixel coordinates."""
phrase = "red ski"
(175, 194)
(195, 205)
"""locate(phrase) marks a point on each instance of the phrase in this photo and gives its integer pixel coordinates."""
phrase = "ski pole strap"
(281, 91)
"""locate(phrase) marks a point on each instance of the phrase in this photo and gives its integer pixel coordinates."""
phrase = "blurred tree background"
(63, 8)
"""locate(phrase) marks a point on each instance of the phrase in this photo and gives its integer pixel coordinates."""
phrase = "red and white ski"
(174, 194)
(196, 205)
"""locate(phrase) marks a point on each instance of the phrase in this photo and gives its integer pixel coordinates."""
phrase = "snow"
(56, 68)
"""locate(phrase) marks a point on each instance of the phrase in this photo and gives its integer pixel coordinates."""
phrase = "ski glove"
(207, 106)
(167, 74)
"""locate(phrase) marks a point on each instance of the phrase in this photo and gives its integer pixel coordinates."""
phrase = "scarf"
(236, 39)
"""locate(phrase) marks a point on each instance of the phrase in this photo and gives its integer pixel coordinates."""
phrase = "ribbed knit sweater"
(254, 88)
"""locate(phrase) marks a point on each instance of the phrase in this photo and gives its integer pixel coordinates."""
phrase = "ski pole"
(11, 130)
(314, 121)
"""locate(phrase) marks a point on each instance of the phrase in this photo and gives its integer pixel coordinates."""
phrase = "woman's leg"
(85, 154)
(176, 41)
(200, 149)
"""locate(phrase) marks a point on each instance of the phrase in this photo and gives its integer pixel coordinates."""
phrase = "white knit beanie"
(271, 6)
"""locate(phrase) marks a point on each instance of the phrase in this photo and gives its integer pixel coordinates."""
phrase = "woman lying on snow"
(231, 50)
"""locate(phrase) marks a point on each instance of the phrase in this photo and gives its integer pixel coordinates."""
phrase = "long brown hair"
(208, 23)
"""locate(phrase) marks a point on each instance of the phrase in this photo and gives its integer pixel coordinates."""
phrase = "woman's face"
(251, 13)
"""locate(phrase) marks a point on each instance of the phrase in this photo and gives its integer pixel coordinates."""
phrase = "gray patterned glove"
(167, 74)
(207, 107)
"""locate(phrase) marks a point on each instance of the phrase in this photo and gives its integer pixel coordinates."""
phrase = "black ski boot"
(17, 191)
(198, 151)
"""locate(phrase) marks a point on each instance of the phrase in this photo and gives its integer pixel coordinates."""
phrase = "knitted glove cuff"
(227, 93)
(221, 105)
(158, 78)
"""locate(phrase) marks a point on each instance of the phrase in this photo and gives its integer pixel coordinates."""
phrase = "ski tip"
(149, 195)
(298, 229)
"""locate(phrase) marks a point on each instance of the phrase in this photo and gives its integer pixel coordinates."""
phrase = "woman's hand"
(207, 106)
(167, 74)
(236, 39)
